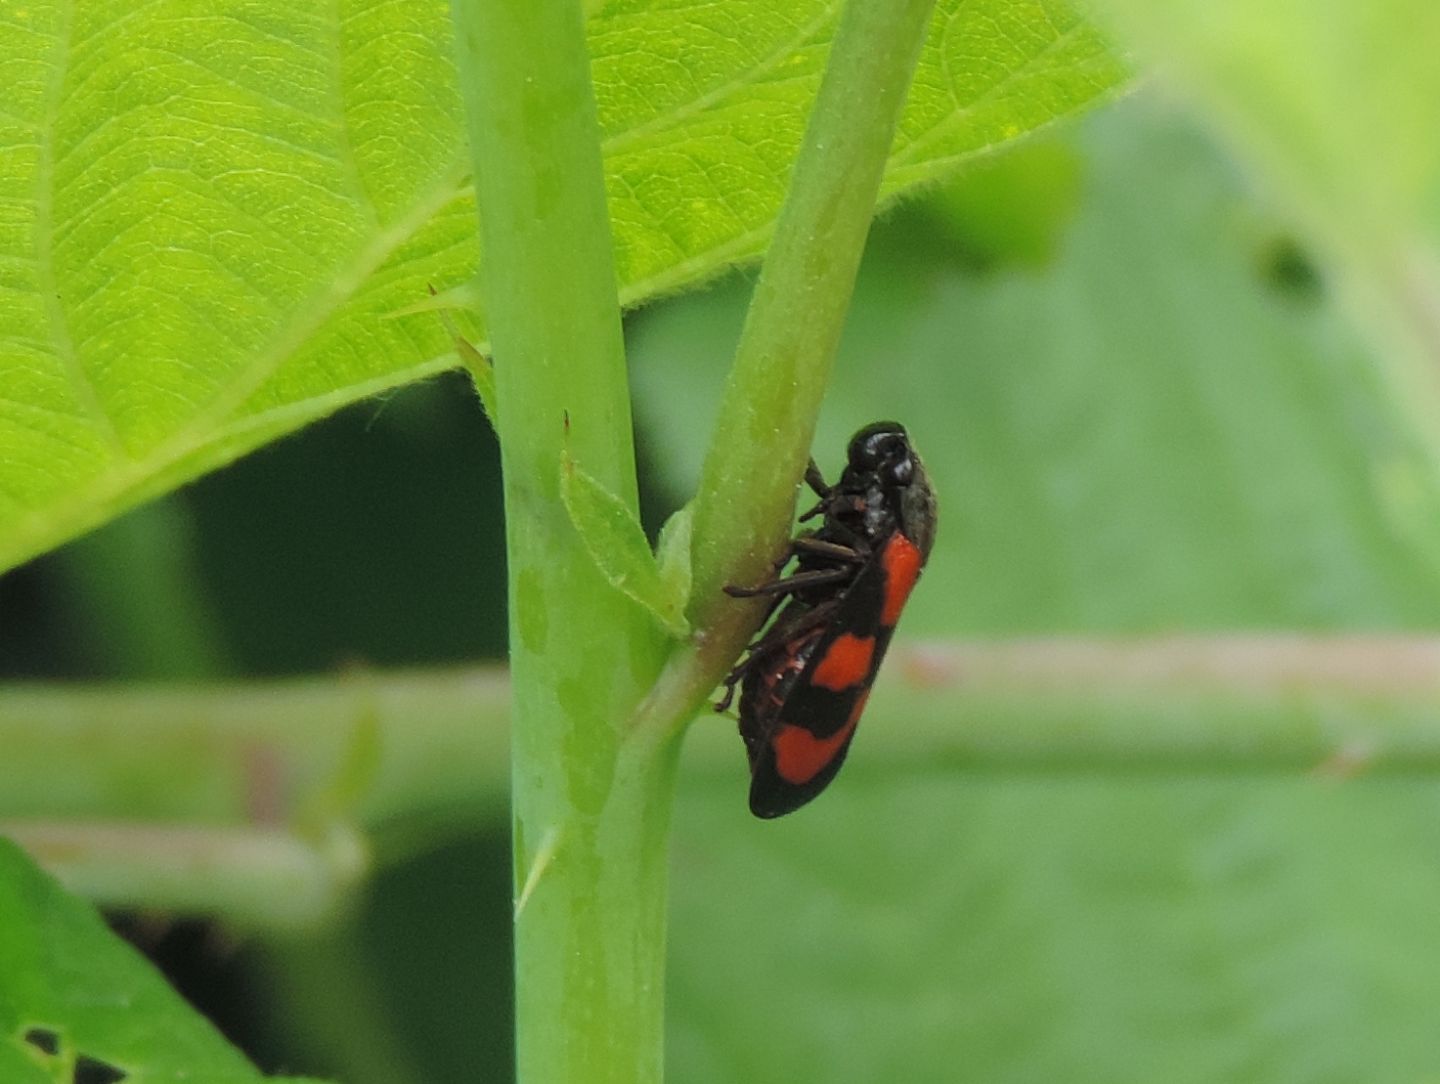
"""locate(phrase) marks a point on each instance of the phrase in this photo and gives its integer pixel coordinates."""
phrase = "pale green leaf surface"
(1057, 929)
(63, 971)
(672, 553)
(21, 1066)
(1309, 86)
(616, 543)
(1147, 436)
(1333, 105)
(212, 215)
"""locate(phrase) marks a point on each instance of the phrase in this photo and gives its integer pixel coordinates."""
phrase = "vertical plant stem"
(767, 418)
(590, 809)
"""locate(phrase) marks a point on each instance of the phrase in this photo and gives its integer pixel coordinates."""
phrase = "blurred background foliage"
(1146, 409)
(1145, 416)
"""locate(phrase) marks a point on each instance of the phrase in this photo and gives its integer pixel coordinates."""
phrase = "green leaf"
(1011, 207)
(1334, 106)
(480, 368)
(1153, 434)
(68, 983)
(672, 554)
(616, 542)
(699, 163)
(215, 216)
(1056, 929)
(1308, 86)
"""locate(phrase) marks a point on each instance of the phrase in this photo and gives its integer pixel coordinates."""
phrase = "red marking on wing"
(846, 662)
(800, 756)
(901, 560)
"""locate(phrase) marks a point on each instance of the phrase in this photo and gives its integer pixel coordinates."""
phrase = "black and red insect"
(804, 681)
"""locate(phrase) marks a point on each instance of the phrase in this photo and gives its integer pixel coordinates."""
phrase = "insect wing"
(804, 683)
(805, 733)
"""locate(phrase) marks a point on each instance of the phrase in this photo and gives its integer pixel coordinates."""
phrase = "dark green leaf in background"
(1006, 930)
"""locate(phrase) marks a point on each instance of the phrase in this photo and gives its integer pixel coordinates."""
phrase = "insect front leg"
(728, 696)
(815, 480)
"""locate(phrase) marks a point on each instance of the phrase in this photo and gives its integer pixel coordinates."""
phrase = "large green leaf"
(1059, 929)
(212, 212)
(1307, 86)
(71, 991)
(1153, 433)
(1333, 105)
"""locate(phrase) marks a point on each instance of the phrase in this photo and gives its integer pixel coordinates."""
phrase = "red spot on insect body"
(800, 756)
(846, 663)
(901, 560)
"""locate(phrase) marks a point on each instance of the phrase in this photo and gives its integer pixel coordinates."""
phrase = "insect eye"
(879, 447)
(892, 458)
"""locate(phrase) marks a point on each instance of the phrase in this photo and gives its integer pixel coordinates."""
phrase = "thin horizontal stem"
(1257, 702)
(269, 770)
(261, 876)
(260, 754)
(368, 747)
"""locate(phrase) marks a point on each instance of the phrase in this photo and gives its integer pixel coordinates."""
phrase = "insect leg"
(776, 636)
(792, 625)
(810, 544)
(815, 480)
(731, 680)
(834, 503)
(791, 584)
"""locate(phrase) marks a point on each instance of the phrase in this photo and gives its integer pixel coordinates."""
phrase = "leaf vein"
(86, 394)
(963, 110)
(784, 49)
(310, 316)
(345, 152)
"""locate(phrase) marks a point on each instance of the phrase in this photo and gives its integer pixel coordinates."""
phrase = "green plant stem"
(269, 877)
(259, 754)
(1279, 702)
(591, 809)
(89, 761)
(767, 417)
